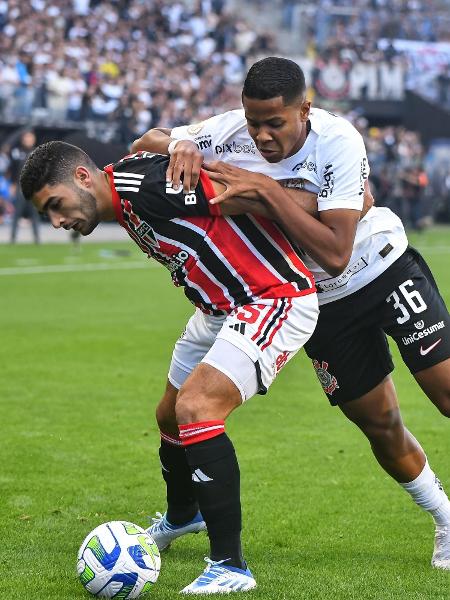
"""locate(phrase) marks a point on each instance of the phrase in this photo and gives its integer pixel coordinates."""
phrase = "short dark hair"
(50, 164)
(272, 77)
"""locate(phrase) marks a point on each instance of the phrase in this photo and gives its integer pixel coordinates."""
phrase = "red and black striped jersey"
(222, 262)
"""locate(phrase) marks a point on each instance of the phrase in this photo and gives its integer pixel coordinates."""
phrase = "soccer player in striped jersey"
(369, 281)
(256, 307)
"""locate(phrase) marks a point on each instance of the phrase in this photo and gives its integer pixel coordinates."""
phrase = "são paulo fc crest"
(327, 381)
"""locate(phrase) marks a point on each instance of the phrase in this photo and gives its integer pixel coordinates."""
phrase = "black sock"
(182, 505)
(215, 472)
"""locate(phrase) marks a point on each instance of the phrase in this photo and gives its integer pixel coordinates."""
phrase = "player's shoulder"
(328, 125)
(139, 162)
(230, 121)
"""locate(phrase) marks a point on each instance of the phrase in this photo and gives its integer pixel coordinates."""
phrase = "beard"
(88, 207)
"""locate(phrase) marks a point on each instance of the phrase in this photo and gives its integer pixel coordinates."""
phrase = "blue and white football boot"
(164, 532)
(219, 579)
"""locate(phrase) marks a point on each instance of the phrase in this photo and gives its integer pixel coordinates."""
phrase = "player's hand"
(185, 160)
(238, 182)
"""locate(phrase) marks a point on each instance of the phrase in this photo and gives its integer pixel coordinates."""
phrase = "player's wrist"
(172, 145)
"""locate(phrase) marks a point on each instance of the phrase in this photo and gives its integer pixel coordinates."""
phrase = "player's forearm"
(322, 242)
(154, 140)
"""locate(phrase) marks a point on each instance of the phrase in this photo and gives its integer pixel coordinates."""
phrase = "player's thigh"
(416, 317)
(267, 335)
(349, 351)
(195, 341)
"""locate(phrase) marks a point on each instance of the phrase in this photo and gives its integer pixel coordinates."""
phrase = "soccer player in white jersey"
(370, 282)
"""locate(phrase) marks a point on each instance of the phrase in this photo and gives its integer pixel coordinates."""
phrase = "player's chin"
(87, 228)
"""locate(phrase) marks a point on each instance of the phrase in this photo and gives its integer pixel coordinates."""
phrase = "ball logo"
(419, 325)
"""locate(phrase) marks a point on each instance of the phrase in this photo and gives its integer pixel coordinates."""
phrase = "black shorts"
(349, 348)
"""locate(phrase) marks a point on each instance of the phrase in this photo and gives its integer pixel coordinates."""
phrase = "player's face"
(278, 130)
(69, 206)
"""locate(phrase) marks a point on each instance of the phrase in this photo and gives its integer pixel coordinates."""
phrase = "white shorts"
(250, 345)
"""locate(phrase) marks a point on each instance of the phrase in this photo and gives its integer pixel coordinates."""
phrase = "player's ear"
(304, 110)
(83, 176)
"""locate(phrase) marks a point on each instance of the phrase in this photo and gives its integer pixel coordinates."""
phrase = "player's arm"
(328, 241)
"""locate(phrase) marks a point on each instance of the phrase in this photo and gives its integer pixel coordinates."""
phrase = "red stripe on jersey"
(208, 190)
(211, 289)
(115, 196)
(275, 233)
(252, 270)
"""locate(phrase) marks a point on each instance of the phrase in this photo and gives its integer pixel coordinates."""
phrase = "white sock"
(427, 491)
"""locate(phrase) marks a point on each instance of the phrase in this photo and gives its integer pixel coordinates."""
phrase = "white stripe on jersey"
(125, 188)
(199, 264)
(254, 251)
(131, 175)
(280, 250)
(217, 252)
(202, 293)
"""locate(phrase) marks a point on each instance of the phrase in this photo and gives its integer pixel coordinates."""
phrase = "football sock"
(215, 472)
(427, 491)
(182, 505)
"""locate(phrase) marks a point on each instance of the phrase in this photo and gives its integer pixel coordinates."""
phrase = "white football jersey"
(333, 163)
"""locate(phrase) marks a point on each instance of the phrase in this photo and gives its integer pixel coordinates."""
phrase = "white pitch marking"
(77, 268)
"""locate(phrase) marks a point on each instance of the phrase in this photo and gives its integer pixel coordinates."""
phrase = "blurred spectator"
(22, 208)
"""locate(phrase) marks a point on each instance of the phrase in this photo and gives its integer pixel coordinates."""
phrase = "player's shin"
(182, 505)
(216, 477)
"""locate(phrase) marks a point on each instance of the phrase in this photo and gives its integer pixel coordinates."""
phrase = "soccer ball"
(118, 559)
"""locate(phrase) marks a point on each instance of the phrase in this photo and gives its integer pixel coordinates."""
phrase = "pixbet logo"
(328, 181)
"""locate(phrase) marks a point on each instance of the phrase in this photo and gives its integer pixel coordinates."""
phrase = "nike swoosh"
(424, 351)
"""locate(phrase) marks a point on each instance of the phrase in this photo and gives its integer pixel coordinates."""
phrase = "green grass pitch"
(86, 339)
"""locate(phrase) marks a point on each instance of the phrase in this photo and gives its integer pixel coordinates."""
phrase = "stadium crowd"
(120, 67)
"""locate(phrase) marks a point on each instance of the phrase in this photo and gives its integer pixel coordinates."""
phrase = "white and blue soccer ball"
(118, 560)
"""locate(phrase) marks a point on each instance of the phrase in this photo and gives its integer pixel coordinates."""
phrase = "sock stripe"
(192, 433)
(174, 440)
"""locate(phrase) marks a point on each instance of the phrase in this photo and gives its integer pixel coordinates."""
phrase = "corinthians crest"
(327, 381)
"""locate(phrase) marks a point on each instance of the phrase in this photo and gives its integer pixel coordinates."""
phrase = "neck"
(103, 195)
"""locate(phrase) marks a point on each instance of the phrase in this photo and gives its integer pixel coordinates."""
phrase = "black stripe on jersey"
(268, 251)
(196, 241)
(271, 323)
(194, 296)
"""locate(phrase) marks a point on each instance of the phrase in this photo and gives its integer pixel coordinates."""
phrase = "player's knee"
(383, 427)
(166, 419)
(191, 407)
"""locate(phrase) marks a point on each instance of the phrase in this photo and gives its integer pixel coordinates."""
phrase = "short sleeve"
(209, 135)
(343, 170)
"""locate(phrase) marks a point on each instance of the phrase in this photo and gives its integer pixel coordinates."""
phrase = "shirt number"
(413, 299)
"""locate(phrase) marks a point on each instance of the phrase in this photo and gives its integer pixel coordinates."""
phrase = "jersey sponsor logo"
(328, 182)
(327, 381)
(195, 128)
(308, 165)
(293, 183)
(235, 148)
(364, 173)
(327, 285)
(425, 351)
(204, 144)
(177, 260)
(189, 199)
(419, 335)
(419, 324)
